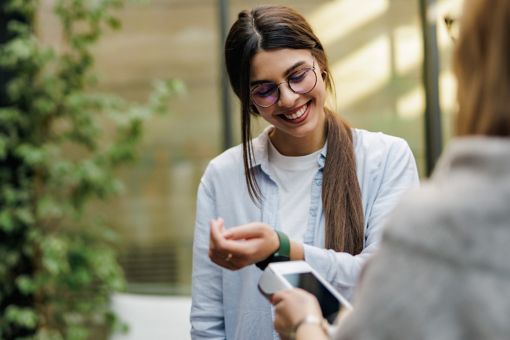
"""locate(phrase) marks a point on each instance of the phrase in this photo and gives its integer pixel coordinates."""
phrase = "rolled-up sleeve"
(396, 173)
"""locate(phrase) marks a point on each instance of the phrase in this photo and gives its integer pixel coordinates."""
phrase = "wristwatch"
(280, 255)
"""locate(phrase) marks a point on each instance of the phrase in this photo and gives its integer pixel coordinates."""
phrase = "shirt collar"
(260, 150)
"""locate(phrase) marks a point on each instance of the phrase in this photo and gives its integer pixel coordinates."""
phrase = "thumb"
(216, 229)
(277, 297)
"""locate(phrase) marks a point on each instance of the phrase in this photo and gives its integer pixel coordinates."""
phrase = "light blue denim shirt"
(227, 304)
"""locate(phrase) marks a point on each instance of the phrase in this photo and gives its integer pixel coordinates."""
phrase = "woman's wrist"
(311, 324)
(276, 242)
(297, 252)
(282, 253)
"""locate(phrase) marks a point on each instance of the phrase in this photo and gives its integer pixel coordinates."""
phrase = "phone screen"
(329, 304)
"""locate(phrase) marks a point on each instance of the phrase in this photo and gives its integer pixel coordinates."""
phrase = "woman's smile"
(296, 116)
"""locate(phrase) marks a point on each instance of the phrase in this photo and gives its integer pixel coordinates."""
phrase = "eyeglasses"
(301, 81)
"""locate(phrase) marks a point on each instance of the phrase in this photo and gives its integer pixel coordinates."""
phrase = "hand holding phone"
(299, 274)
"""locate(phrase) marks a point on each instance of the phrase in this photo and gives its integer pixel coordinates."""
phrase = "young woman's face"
(279, 76)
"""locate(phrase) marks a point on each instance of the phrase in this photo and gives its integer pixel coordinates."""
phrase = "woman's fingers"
(217, 253)
(225, 261)
(246, 231)
(254, 240)
(283, 323)
(225, 253)
(291, 306)
(240, 246)
(278, 296)
(216, 229)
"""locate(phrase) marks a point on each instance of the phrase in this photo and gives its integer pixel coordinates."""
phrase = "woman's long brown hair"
(341, 194)
(275, 27)
(482, 67)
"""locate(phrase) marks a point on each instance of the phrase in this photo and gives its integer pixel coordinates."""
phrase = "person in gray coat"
(443, 267)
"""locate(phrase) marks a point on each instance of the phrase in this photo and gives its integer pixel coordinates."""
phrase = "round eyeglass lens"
(265, 95)
(303, 82)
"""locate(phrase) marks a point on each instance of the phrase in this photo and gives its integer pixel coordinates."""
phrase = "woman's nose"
(287, 96)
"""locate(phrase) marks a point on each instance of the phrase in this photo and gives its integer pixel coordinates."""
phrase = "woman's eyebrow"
(292, 68)
(285, 74)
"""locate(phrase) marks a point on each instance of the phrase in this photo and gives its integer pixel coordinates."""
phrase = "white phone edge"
(268, 286)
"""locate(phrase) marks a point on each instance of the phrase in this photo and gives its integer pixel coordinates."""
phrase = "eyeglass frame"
(277, 86)
(451, 22)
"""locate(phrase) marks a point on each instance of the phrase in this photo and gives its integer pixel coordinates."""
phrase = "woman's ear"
(324, 74)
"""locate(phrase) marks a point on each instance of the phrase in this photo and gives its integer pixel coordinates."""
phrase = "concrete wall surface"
(153, 317)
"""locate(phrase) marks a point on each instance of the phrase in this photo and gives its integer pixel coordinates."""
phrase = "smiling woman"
(309, 187)
(295, 107)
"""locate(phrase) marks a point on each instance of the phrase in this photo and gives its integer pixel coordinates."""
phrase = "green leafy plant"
(60, 143)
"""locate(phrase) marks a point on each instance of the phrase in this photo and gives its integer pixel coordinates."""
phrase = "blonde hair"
(482, 67)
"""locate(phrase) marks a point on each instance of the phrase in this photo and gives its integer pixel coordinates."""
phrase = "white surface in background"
(153, 317)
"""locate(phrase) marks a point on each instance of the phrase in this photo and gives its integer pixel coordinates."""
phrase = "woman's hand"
(291, 307)
(241, 246)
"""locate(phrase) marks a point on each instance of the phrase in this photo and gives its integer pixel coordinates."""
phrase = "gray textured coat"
(443, 267)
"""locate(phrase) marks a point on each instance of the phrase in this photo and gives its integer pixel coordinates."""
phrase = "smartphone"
(299, 274)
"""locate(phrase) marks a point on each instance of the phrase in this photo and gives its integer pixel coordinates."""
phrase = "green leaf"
(10, 257)
(24, 215)
(32, 155)
(77, 332)
(63, 142)
(27, 8)
(54, 257)
(3, 147)
(49, 208)
(114, 23)
(25, 284)
(6, 221)
(26, 317)
(17, 51)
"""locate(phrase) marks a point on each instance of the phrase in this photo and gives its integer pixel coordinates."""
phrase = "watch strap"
(284, 248)
(282, 253)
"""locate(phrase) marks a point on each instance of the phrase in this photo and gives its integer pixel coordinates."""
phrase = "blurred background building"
(376, 50)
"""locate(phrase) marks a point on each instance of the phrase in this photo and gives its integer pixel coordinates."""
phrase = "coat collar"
(489, 156)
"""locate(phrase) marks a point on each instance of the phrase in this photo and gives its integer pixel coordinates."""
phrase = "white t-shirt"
(294, 176)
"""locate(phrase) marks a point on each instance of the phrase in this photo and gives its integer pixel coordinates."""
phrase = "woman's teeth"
(297, 114)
